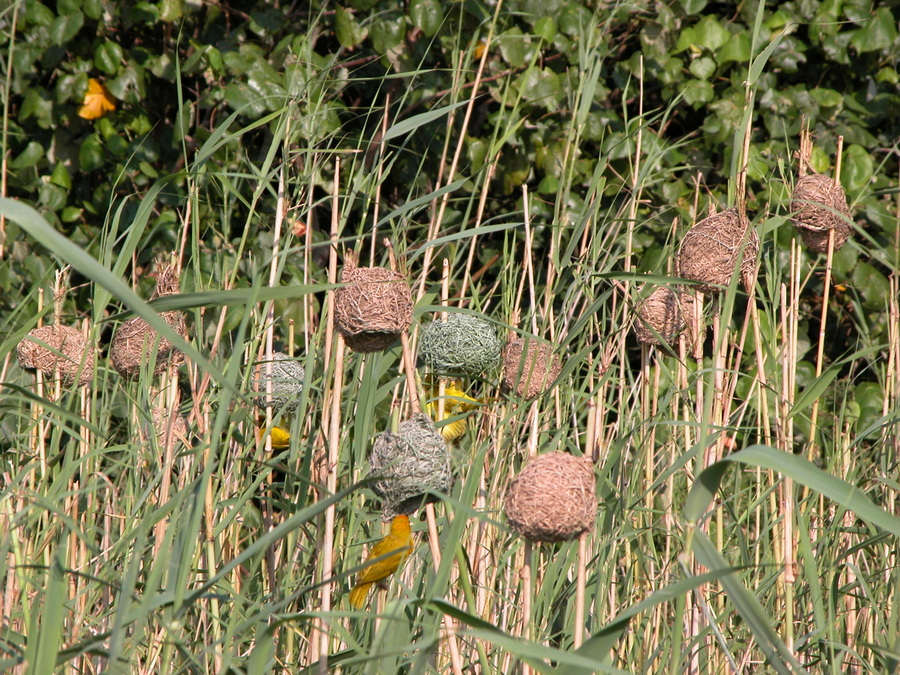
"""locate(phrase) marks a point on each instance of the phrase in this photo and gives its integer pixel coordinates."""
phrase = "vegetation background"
(544, 159)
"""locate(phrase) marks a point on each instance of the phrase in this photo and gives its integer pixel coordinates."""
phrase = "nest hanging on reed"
(410, 465)
(709, 251)
(373, 308)
(286, 382)
(464, 344)
(553, 498)
(66, 353)
(529, 367)
(135, 342)
(662, 316)
(819, 205)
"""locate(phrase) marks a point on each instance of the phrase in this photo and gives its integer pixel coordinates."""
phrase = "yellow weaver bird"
(399, 544)
(281, 438)
(456, 402)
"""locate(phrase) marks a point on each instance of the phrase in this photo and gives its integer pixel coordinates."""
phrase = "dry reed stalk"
(826, 290)
(435, 225)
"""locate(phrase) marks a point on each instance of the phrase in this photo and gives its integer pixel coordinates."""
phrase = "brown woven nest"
(411, 466)
(709, 251)
(373, 308)
(135, 341)
(553, 498)
(160, 424)
(819, 205)
(663, 315)
(529, 367)
(65, 351)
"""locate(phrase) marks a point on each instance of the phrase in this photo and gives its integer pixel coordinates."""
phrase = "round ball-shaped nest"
(464, 344)
(709, 251)
(373, 308)
(529, 367)
(553, 498)
(662, 316)
(819, 206)
(66, 352)
(135, 341)
(286, 378)
(410, 465)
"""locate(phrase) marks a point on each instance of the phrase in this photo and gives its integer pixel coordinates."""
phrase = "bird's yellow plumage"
(456, 402)
(399, 544)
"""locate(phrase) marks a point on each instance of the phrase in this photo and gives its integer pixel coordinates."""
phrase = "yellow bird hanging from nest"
(399, 544)
(456, 402)
(281, 437)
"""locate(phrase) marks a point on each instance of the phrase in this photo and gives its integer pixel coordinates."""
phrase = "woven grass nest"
(529, 367)
(135, 340)
(286, 377)
(66, 353)
(409, 465)
(373, 308)
(819, 205)
(709, 251)
(553, 498)
(663, 315)
(464, 344)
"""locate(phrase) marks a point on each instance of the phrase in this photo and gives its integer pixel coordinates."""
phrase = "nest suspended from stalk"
(819, 205)
(373, 308)
(464, 344)
(285, 376)
(662, 316)
(136, 342)
(553, 498)
(410, 466)
(67, 353)
(709, 251)
(529, 367)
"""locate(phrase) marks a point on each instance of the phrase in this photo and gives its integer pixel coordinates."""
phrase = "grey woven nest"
(373, 308)
(819, 205)
(286, 377)
(553, 498)
(136, 342)
(529, 367)
(464, 344)
(410, 466)
(663, 315)
(709, 251)
(66, 352)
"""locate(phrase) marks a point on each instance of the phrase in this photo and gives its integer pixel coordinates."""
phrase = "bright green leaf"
(30, 156)
(512, 47)
(710, 33)
(827, 98)
(702, 68)
(387, 32)
(698, 92)
(878, 33)
(347, 30)
(60, 176)
(857, 168)
(545, 27)
(107, 57)
(64, 28)
(736, 49)
(427, 15)
(91, 154)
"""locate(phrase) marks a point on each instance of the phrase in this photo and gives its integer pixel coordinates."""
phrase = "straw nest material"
(529, 367)
(410, 465)
(553, 498)
(464, 344)
(160, 425)
(135, 341)
(285, 376)
(662, 316)
(709, 251)
(819, 206)
(373, 308)
(66, 352)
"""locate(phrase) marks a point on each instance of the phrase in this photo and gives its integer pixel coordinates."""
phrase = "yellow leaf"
(97, 101)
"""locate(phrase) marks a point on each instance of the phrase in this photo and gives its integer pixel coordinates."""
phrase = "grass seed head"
(553, 498)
